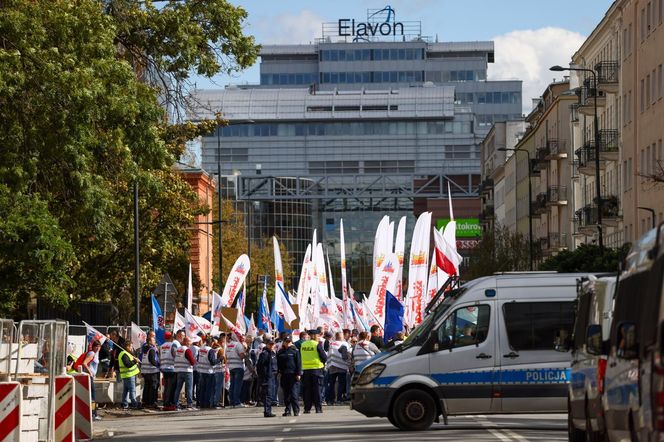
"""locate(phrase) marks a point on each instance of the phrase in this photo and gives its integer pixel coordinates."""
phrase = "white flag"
(190, 290)
(192, 327)
(237, 334)
(217, 304)
(281, 304)
(178, 322)
(138, 336)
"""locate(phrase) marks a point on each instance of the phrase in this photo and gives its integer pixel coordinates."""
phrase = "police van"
(589, 357)
(491, 346)
(634, 383)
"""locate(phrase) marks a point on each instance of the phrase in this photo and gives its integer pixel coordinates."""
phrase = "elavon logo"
(363, 31)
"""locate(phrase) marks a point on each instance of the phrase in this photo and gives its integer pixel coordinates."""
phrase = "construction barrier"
(83, 407)
(10, 411)
(64, 409)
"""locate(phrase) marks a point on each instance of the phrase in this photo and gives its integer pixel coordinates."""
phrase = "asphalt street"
(335, 424)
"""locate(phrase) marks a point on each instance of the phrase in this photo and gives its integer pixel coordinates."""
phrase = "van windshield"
(421, 332)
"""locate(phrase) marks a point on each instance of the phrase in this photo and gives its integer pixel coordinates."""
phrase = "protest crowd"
(230, 370)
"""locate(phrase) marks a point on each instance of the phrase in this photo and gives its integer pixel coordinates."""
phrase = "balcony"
(587, 215)
(608, 75)
(557, 149)
(586, 156)
(609, 144)
(556, 196)
(574, 112)
(486, 185)
(555, 242)
(488, 214)
(535, 167)
(575, 169)
(588, 94)
(539, 205)
(542, 155)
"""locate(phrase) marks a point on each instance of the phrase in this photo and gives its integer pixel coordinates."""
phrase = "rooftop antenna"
(436, 37)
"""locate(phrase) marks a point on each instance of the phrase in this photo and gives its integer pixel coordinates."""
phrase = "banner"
(190, 289)
(158, 324)
(399, 250)
(302, 295)
(347, 313)
(380, 245)
(281, 302)
(235, 280)
(217, 304)
(418, 270)
(192, 327)
(236, 334)
(92, 335)
(386, 281)
(264, 311)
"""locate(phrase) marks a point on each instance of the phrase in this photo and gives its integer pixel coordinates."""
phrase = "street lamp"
(598, 187)
(530, 203)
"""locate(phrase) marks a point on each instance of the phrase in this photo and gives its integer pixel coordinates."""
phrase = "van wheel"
(413, 410)
(591, 436)
(574, 434)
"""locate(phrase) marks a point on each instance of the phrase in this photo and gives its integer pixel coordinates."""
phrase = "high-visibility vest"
(166, 356)
(310, 358)
(182, 364)
(203, 361)
(127, 372)
(74, 358)
(334, 358)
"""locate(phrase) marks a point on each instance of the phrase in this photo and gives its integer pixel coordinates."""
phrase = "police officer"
(313, 360)
(267, 370)
(290, 369)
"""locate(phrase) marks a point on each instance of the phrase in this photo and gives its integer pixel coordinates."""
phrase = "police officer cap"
(314, 331)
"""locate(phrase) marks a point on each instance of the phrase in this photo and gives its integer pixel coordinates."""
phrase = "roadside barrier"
(10, 411)
(83, 409)
(64, 409)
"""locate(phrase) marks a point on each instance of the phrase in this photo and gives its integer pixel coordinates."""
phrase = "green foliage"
(35, 257)
(586, 258)
(499, 251)
(80, 124)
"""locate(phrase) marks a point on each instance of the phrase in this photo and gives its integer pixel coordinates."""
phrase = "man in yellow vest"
(129, 370)
(313, 361)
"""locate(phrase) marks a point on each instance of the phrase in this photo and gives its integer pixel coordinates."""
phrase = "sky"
(529, 35)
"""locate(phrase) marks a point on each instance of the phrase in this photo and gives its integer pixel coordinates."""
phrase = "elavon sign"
(380, 23)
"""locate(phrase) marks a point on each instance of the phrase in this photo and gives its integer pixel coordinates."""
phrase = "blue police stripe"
(524, 376)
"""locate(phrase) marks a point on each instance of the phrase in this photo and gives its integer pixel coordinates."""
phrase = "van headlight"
(370, 373)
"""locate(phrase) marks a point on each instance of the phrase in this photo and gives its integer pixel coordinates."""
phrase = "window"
(465, 326)
(648, 90)
(643, 96)
(649, 17)
(659, 11)
(643, 24)
(653, 87)
(537, 325)
(660, 82)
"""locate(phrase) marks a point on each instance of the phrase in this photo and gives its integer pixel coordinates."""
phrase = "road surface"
(335, 424)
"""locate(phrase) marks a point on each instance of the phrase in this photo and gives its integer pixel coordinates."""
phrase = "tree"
(79, 126)
(500, 250)
(587, 258)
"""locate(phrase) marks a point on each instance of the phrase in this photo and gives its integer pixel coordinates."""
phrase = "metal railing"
(556, 194)
(557, 147)
(608, 72)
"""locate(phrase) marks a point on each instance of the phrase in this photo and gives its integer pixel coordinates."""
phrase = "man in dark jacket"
(290, 368)
(267, 371)
(149, 358)
(377, 337)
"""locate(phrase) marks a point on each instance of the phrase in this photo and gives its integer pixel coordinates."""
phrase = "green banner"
(465, 227)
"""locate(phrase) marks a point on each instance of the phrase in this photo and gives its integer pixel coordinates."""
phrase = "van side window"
(465, 326)
(537, 325)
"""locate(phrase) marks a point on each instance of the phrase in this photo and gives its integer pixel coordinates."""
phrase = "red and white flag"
(235, 280)
(281, 304)
(192, 327)
(138, 336)
(237, 334)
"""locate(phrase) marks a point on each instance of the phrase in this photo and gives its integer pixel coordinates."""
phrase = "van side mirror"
(562, 341)
(628, 346)
(594, 339)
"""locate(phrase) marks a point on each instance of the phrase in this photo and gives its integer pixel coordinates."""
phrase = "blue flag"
(158, 324)
(393, 317)
(277, 318)
(263, 311)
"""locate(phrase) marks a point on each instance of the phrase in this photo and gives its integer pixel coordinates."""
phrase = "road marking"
(502, 434)
(499, 435)
(286, 430)
(514, 435)
(279, 439)
(292, 421)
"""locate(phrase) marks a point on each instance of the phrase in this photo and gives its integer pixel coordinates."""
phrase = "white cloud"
(528, 54)
(302, 27)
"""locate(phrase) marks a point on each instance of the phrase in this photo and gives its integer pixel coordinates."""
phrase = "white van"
(589, 358)
(489, 347)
